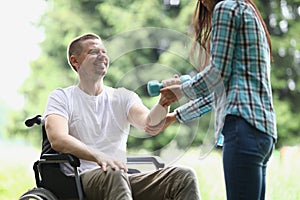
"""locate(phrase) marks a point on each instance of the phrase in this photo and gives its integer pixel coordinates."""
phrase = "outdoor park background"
(146, 40)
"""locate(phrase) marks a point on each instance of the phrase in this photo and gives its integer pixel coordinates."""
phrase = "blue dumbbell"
(154, 86)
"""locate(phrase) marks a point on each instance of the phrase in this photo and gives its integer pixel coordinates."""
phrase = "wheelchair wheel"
(38, 194)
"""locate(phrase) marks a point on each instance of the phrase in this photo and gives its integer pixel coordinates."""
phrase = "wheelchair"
(52, 183)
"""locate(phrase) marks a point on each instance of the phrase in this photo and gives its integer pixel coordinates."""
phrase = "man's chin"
(102, 73)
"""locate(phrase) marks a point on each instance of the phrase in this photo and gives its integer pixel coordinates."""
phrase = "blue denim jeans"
(246, 152)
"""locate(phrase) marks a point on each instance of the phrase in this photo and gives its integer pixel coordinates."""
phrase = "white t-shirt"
(100, 122)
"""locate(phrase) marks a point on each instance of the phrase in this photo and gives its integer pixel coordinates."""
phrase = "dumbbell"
(153, 87)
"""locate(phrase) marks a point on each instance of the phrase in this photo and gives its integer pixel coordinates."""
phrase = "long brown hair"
(201, 23)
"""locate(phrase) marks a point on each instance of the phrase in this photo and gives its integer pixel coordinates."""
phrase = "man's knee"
(186, 182)
(116, 176)
(184, 173)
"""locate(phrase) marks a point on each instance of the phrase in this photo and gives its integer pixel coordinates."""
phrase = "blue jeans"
(246, 152)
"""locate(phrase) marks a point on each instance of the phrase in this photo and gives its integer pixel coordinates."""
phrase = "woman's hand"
(171, 81)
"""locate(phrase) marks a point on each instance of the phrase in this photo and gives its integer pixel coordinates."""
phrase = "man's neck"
(92, 88)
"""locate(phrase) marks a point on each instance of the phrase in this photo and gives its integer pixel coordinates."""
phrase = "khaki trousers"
(178, 183)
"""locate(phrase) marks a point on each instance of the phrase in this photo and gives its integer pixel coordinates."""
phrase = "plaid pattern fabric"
(241, 63)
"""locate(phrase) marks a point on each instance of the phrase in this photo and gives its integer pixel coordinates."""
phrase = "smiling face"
(93, 60)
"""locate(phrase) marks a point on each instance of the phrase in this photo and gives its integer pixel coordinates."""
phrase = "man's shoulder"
(59, 92)
(121, 95)
(66, 89)
(118, 90)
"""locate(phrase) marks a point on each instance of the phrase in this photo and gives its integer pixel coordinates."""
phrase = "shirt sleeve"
(194, 109)
(57, 104)
(223, 37)
(128, 99)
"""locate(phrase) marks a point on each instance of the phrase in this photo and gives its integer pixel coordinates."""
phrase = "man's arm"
(60, 140)
(185, 113)
(140, 116)
(154, 130)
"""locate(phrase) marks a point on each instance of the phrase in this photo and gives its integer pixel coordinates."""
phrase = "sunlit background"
(20, 40)
(19, 45)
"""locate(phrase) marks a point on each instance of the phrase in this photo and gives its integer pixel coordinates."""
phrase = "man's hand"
(105, 161)
(170, 94)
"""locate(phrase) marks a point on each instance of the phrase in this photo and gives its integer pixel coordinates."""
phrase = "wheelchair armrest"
(145, 160)
(62, 157)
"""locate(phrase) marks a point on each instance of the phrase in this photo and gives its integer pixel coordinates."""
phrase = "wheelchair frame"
(50, 161)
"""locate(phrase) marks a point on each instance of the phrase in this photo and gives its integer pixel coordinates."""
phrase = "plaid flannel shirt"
(240, 62)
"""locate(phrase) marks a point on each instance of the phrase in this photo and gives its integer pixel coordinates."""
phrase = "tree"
(149, 40)
(283, 18)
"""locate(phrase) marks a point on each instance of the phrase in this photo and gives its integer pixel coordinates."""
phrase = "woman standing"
(239, 44)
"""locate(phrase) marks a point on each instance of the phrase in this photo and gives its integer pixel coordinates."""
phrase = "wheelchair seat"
(52, 183)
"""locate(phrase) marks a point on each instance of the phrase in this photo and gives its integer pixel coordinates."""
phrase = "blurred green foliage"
(148, 40)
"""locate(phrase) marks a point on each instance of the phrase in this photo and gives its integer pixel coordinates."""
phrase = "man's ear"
(74, 62)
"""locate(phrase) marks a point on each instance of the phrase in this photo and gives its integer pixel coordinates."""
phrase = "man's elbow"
(154, 121)
(57, 145)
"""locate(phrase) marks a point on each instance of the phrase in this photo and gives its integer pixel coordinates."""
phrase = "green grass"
(16, 174)
(282, 176)
(15, 180)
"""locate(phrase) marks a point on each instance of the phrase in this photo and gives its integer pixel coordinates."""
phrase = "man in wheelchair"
(91, 121)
